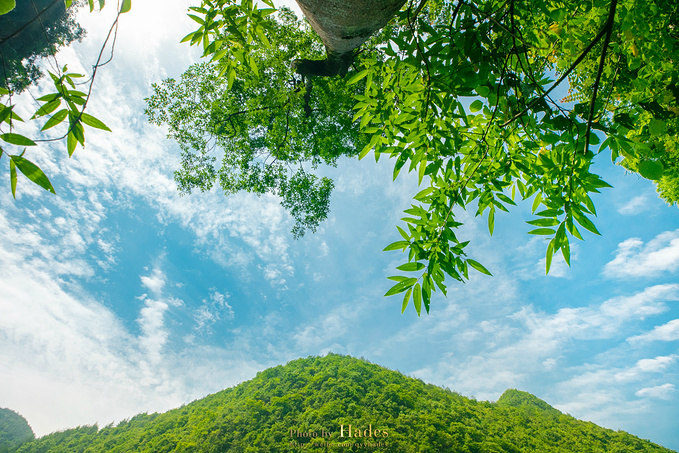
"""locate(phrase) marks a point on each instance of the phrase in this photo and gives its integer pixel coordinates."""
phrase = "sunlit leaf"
(94, 122)
(409, 267)
(17, 139)
(479, 267)
(55, 119)
(32, 172)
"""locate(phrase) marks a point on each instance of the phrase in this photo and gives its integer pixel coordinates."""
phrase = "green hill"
(14, 430)
(317, 403)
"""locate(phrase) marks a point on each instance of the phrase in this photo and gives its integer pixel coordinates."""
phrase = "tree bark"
(343, 25)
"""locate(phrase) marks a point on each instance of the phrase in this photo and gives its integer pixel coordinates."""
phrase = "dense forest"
(339, 403)
(14, 430)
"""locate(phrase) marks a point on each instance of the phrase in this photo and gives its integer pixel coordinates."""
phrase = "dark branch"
(333, 65)
(609, 29)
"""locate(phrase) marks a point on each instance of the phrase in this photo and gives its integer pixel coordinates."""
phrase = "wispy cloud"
(665, 332)
(636, 205)
(510, 351)
(154, 282)
(663, 392)
(212, 310)
(633, 258)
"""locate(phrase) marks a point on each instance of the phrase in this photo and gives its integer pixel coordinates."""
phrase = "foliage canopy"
(25, 41)
(460, 92)
(33, 30)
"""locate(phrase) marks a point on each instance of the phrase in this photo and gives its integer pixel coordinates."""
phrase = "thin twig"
(609, 29)
(563, 76)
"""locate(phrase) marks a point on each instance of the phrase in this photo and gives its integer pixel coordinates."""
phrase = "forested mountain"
(14, 430)
(314, 404)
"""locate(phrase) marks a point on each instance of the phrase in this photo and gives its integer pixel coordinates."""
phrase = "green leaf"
(5, 113)
(476, 106)
(196, 18)
(548, 257)
(55, 119)
(566, 251)
(17, 139)
(6, 6)
(32, 172)
(406, 299)
(657, 127)
(426, 298)
(47, 108)
(70, 143)
(398, 245)
(491, 220)
(585, 222)
(417, 299)
(13, 177)
(401, 286)
(542, 231)
(536, 202)
(188, 37)
(94, 122)
(126, 6)
(543, 222)
(651, 169)
(410, 267)
(479, 267)
(358, 76)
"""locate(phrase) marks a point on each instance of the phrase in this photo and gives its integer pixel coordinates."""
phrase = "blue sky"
(117, 296)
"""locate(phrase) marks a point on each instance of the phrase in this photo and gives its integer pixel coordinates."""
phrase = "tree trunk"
(343, 25)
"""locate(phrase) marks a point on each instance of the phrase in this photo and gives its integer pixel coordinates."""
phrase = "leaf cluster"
(32, 31)
(461, 94)
(66, 95)
(262, 137)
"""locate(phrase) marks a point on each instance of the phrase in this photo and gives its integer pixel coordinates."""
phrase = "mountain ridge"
(340, 403)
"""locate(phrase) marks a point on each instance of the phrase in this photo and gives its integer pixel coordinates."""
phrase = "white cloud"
(665, 332)
(510, 351)
(636, 205)
(664, 392)
(154, 334)
(602, 391)
(212, 310)
(154, 282)
(634, 259)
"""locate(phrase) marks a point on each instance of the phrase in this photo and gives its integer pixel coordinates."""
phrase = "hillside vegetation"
(338, 403)
(14, 430)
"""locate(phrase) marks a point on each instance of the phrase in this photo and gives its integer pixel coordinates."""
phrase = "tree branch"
(609, 29)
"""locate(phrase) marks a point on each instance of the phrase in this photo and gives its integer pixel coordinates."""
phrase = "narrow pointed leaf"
(406, 299)
(55, 119)
(401, 286)
(94, 122)
(417, 299)
(398, 245)
(13, 178)
(542, 231)
(17, 139)
(479, 267)
(32, 172)
(410, 267)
